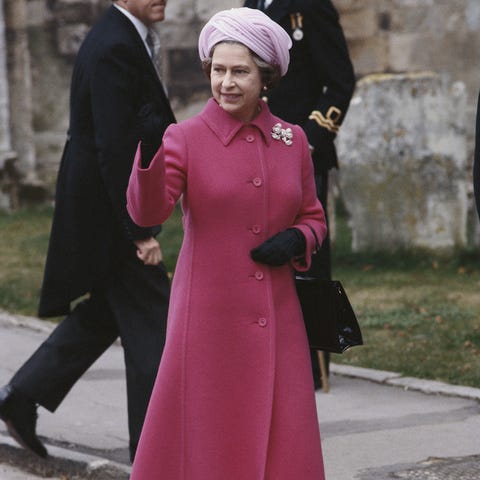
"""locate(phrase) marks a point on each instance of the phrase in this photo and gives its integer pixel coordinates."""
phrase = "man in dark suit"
(315, 93)
(96, 252)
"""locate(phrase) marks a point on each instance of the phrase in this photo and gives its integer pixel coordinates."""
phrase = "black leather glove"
(151, 125)
(280, 248)
(148, 152)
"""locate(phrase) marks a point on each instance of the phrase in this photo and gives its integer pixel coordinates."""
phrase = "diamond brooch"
(284, 134)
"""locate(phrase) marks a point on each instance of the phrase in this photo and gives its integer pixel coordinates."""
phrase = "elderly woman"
(234, 396)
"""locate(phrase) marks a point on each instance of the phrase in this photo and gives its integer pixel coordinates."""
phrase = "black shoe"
(20, 415)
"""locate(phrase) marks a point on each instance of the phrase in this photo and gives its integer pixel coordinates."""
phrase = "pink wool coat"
(234, 397)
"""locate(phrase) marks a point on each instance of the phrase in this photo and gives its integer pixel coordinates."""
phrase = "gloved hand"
(148, 152)
(280, 248)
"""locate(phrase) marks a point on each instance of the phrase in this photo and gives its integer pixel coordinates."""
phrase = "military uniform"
(315, 92)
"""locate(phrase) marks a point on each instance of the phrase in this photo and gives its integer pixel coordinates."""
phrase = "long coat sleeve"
(252, 416)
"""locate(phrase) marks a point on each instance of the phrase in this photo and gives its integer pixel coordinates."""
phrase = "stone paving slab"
(456, 468)
(408, 383)
(62, 464)
(7, 472)
(375, 425)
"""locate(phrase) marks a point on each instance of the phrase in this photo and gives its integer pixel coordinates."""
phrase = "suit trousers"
(133, 306)
(321, 266)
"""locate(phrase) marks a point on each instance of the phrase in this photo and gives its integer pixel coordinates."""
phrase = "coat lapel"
(278, 9)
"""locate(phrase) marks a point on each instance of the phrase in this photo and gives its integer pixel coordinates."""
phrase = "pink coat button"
(250, 138)
(259, 275)
(262, 322)
(256, 229)
(257, 181)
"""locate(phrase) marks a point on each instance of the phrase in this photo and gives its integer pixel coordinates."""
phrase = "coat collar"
(278, 9)
(225, 127)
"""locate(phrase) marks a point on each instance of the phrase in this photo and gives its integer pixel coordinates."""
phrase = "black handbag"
(329, 318)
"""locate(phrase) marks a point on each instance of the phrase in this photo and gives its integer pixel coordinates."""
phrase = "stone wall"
(7, 156)
(442, 36)
(384, 36)
(403, 177)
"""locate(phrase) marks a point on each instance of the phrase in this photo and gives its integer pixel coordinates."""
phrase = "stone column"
(403, 158)
(19, 79)
(7, 156)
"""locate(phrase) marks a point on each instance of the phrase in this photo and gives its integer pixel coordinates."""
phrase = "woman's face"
(235, 81)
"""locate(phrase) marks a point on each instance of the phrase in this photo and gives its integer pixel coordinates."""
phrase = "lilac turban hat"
(251, 28)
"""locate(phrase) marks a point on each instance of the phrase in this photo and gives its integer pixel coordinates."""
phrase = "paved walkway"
(375, 425)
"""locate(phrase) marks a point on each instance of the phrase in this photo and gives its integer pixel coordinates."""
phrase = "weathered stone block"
(413, 3)
(180, 11)
(403, 156)
(207, 9)
(49, 147)
(70, 37)
(38, 13)
(472, 15)
(360, 24)
(351, 5)
(51, 75)
(179, 35)
(186, 78)
(408, 51)
(74, 11)
(369, 55)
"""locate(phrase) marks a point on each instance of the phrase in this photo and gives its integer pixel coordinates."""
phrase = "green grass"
(23, 239)
(420, 314)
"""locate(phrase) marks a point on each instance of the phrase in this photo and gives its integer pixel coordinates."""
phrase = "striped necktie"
(153, 43)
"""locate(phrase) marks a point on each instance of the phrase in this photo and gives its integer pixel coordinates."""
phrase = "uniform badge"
(296, 20)
(297, 34)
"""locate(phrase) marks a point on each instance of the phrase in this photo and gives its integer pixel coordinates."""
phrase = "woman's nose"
(227, 80)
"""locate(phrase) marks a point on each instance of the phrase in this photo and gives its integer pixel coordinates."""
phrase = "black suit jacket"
(116, 100)
(316, 91)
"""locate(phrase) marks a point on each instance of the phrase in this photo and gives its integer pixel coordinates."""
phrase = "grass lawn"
(420, 315)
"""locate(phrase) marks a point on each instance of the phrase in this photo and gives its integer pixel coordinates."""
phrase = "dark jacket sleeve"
(476, 161)
(331, 63)
(120, 121)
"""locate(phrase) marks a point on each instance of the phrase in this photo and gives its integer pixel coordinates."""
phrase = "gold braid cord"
(329, 121)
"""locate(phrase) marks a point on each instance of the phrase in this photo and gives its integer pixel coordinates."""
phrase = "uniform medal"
(297, 26)
(297, 34)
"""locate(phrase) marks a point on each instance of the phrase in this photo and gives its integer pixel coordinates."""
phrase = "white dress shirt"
(141, 28)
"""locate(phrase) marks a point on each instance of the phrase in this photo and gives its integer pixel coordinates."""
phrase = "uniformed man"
(315, 93)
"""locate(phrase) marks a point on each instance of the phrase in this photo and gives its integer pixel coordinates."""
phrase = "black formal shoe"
(20, 415)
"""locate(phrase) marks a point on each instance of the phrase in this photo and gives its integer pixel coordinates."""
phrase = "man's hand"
(149, 251)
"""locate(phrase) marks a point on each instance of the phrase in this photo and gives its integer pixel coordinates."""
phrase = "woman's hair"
(270, 74)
